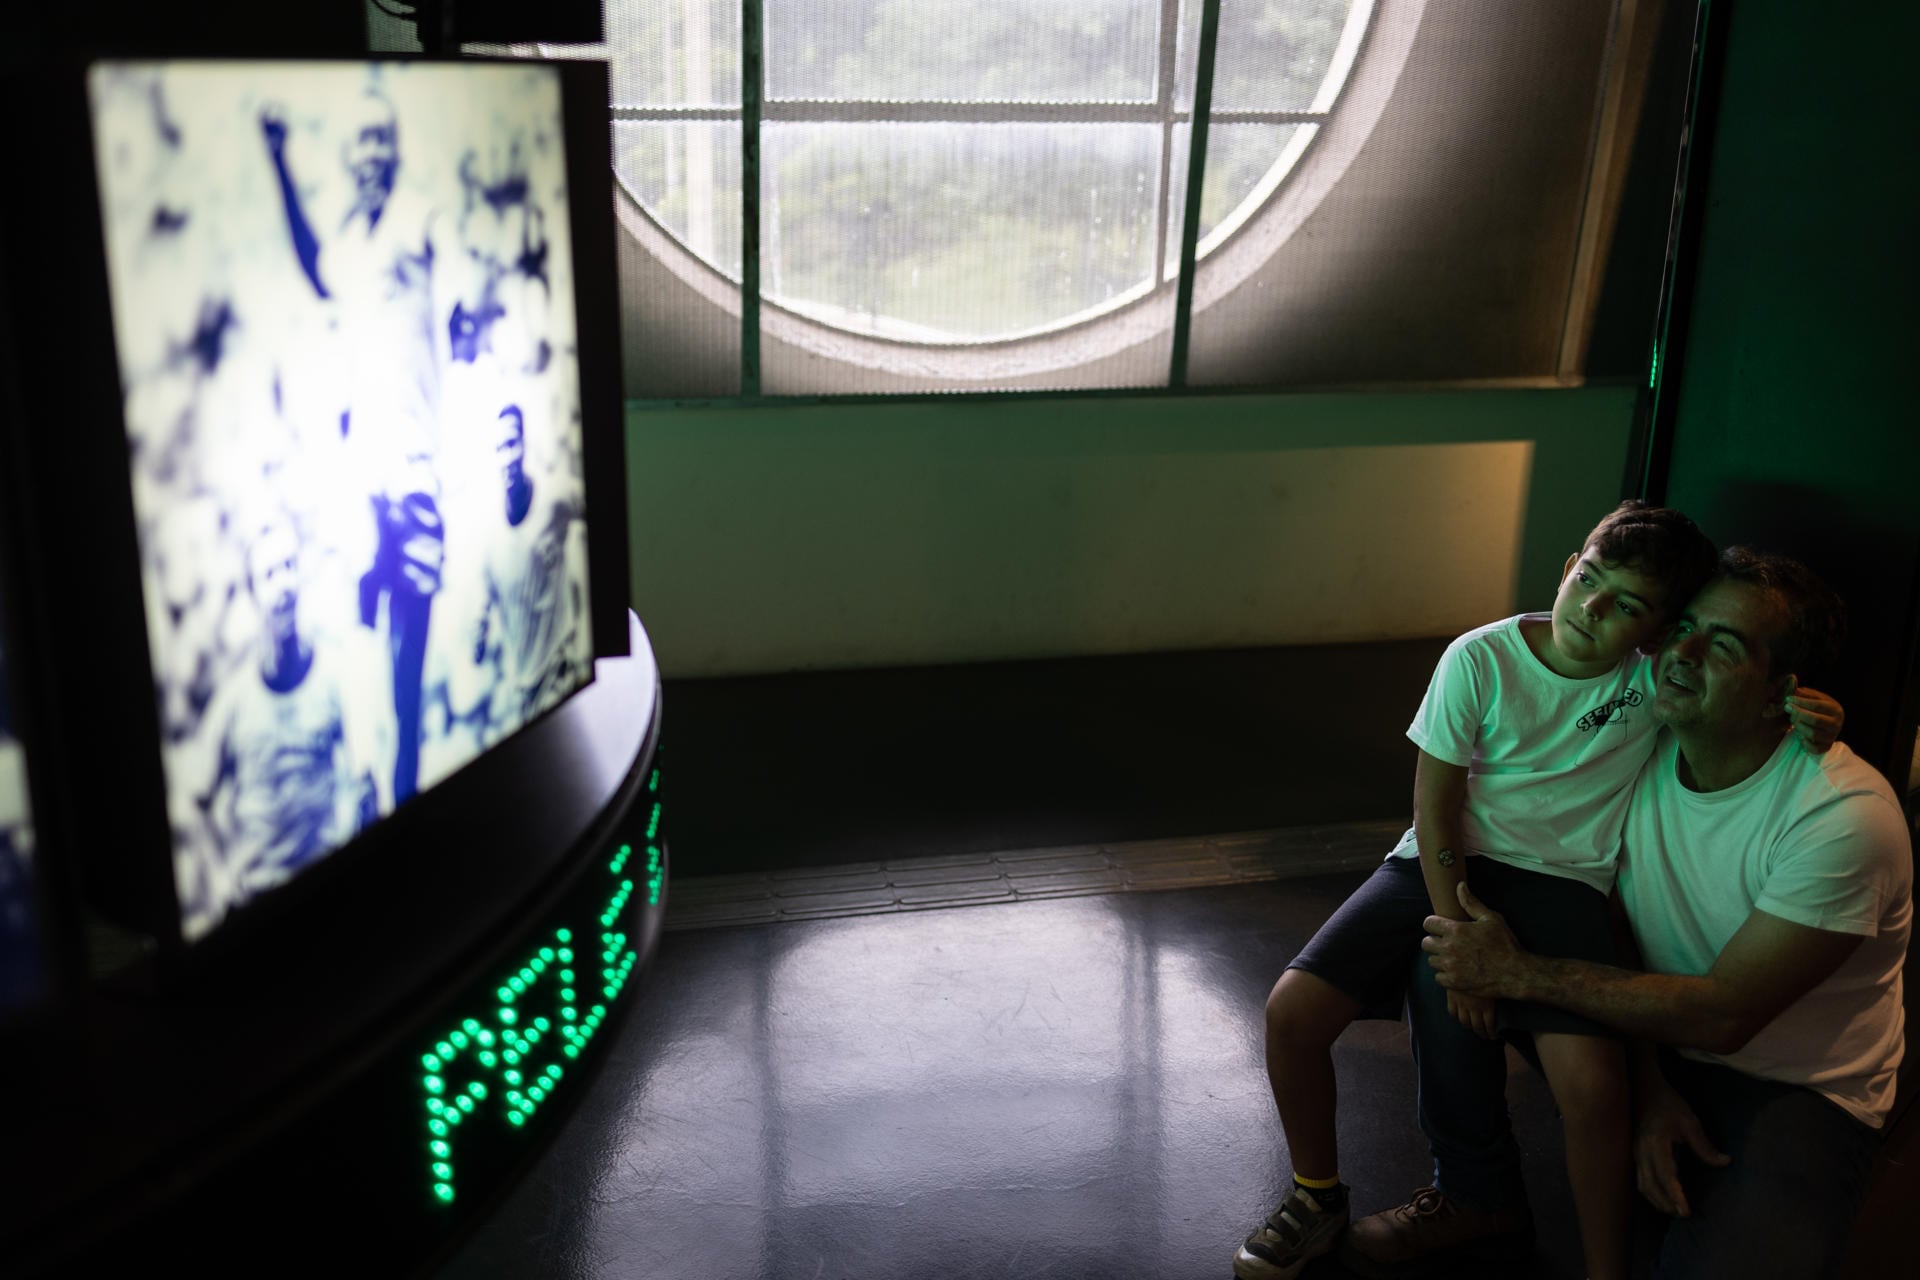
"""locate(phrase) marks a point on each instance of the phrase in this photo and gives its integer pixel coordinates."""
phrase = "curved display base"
(346, 1084)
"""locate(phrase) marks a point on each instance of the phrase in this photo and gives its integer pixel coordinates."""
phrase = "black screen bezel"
(101, 723)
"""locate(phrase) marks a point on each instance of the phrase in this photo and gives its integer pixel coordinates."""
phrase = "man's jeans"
(1783, 1208)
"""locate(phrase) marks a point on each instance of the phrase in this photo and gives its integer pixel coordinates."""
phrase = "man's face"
(1712, 671)
(511, 451)
(275, 563)
(1603, 611)
(373, 150)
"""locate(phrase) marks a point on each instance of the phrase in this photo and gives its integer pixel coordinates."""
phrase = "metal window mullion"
(1196, 175)
(850, 111)
(1166, 79)
(752, 99)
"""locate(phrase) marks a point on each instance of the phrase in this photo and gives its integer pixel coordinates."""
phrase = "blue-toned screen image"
(20, 961)
(343, 312)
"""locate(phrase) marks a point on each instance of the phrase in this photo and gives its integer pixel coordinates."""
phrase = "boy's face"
(1603, 611)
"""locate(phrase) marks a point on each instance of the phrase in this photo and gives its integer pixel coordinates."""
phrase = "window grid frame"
(757, 108)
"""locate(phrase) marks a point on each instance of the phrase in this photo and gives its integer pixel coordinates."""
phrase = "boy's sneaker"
(1293, 1235)
(1431, 1228)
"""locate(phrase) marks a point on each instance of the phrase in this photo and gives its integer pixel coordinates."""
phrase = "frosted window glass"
(943, 233)
(1272, 54)
(1241, 159)
(674, 52)
(687, 175)
(963, 50)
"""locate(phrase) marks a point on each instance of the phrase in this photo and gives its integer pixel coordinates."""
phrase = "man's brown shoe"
(1428, 1229)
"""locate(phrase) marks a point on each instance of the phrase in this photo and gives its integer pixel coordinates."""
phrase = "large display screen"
(20, 972)
(343, 311)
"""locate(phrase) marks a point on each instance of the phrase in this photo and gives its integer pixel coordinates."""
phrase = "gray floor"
(1061, 1087)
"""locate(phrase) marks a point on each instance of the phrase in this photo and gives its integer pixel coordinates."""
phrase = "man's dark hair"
(1659, 542)
(1813, 616)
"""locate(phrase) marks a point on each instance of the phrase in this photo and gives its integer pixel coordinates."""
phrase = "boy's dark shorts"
(1366, 947)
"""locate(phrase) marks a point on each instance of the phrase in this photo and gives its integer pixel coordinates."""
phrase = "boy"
(1531, 734)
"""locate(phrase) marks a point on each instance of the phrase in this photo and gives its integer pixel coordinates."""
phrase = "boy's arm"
(1439, 793)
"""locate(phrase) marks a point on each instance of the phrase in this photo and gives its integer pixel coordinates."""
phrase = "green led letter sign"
(502, 1065)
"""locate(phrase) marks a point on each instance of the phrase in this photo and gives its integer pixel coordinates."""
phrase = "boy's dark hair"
(1813, 616)
(1659, 542)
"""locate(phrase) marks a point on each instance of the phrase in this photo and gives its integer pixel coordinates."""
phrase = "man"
(530, 630)
(376, 266)
(285, 781)
(1769, 893)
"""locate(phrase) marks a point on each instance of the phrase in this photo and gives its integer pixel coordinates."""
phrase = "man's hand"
(1476, 957)
(1663, 1121)
(273, 123)
(1815, 716)
(1473, 1012)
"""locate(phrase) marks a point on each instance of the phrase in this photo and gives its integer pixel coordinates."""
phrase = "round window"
(977, 172)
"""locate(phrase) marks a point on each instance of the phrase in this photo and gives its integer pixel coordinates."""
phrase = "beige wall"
(903, 533)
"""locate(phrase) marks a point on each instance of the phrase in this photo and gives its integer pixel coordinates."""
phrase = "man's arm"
(1767, 965)
(1663, 1121)
(273, 126)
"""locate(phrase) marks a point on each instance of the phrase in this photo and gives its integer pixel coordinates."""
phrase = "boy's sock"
(1329, 1193)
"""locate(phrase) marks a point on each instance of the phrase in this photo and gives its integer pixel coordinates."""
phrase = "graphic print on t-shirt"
(1610, 712)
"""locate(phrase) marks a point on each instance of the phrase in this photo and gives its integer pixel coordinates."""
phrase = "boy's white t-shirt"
(1550, 760)
(1818, 840)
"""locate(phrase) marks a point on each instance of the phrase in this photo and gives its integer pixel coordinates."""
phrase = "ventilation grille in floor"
(960, 880)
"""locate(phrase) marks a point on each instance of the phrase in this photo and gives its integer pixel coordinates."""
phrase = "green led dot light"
(497, 1066)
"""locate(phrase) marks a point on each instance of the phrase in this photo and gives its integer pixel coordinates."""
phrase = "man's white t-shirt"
(1550, 760)
(1815, 839)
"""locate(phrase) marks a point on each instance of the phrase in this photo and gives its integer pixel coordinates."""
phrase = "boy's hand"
(1814, 715)
(1473, 1012)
